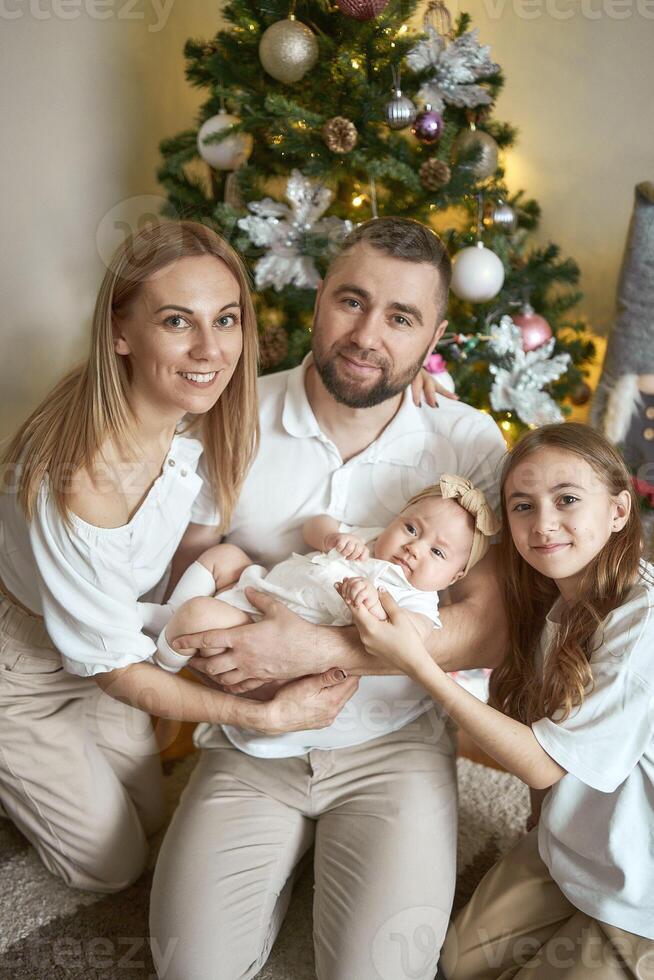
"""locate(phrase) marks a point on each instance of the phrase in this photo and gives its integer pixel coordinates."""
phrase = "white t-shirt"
(298, 473)
(85, 580)
(596, 832)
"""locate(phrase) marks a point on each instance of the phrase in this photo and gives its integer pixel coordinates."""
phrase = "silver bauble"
(486, 163)
(503, 217)
(400, 111)
(288, 49)
(230, 153)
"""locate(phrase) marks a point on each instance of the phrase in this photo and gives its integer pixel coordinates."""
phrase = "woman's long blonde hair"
(519, 686)
(89, 407)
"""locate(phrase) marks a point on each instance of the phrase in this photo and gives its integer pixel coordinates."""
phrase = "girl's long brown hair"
(89, 407)
(520, 687)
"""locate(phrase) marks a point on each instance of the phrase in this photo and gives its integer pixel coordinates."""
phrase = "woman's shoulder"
(93, 499)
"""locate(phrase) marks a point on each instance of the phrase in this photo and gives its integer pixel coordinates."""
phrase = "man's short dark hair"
(405, 239)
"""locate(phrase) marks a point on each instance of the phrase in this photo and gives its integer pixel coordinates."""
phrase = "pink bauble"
(534, 328)
(435, 364)
(361, 9)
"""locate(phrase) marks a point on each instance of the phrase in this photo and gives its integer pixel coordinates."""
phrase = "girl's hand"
(395, 640)
(425, 385)
(348, 545)
(358, 591)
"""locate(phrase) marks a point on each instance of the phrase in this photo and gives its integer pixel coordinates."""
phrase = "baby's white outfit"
(305, 584)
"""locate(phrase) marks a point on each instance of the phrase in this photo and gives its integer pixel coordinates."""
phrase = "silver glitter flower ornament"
(285, 230)
(518, 387)
(456, 66)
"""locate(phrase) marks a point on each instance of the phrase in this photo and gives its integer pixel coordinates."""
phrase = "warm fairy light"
(356, 63)
(506, 426)
(358, 200)
(252, 27)
(403, 29)
(300, 124)
(276, 140)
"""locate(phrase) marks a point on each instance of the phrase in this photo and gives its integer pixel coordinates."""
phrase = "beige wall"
(85, 101)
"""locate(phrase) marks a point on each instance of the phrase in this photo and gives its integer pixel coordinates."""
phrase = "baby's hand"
(360, 591)
(349, 545)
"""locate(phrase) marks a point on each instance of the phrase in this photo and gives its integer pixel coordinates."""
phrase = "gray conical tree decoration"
(618, 402)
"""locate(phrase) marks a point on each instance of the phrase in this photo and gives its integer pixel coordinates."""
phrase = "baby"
(442, 532)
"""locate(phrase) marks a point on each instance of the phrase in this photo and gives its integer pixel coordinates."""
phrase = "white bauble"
(477, 274)
(232, 152)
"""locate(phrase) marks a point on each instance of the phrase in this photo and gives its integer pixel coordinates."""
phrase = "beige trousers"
(519, 924)
(79, 771)
(383, 819)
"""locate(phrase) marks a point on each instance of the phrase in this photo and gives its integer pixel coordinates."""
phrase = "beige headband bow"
(486, 524)
(472, 500)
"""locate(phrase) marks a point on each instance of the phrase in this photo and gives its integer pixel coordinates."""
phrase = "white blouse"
(85, 580)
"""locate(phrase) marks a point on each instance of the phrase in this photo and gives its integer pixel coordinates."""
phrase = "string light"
(403, 29)
(355, 63)
(358, 200)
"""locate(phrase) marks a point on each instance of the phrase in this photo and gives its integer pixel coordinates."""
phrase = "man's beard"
(352, 393)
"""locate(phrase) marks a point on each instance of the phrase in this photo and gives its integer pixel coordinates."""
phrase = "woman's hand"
(395, 640)
(308, 703)
(425, 385)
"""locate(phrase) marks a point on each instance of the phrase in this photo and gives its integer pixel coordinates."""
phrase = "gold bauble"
(340, 134)
(288, 49)
(486, 163)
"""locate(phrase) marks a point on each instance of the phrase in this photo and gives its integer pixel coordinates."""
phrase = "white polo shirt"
(298, 473)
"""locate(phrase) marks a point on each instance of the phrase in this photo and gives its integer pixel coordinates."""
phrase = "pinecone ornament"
(273, 346)
(434, 174)
(340, 134)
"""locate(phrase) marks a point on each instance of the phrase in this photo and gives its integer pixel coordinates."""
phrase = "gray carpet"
(50, 932)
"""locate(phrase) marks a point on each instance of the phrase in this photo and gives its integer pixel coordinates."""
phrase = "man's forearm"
(467, 640)
(471, 637)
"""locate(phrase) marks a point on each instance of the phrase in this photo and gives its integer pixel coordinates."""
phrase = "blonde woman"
(99, 486)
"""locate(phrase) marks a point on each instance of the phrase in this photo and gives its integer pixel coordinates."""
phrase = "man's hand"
(312, 702)
(348, 545)
(282, 646)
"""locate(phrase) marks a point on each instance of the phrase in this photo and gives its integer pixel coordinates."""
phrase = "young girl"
(572, 715)
(437, 538)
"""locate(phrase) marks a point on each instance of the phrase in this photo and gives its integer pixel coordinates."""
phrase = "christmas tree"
(325, 114)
